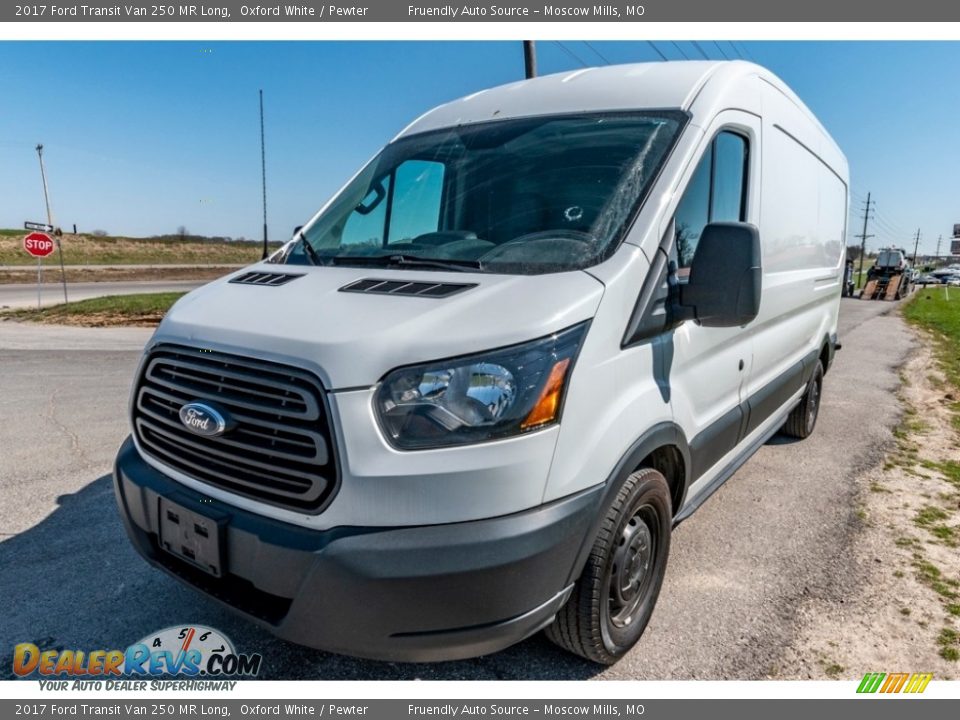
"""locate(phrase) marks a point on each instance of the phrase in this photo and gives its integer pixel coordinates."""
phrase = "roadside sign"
(38, 244)
(42, 227)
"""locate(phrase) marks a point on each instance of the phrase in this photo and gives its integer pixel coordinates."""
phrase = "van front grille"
(278, 446)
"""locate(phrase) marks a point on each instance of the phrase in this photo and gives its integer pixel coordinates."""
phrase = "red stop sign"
(38, 244)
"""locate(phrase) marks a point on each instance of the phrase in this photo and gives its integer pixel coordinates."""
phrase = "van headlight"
(480, 397)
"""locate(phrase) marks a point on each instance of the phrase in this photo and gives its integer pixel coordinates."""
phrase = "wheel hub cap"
(812, 402)
(631, 569)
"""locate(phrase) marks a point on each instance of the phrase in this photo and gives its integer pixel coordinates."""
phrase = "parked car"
(473, 396)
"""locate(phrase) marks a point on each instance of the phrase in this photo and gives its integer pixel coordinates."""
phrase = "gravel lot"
(774, 536)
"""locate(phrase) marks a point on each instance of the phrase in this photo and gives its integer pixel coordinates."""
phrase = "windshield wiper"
(407, 260)
(308, 250)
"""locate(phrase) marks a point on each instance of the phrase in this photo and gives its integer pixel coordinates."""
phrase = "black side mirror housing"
(725, 276)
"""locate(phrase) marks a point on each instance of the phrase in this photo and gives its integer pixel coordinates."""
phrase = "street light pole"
(43, 177)
(263, 172)
(46, 200)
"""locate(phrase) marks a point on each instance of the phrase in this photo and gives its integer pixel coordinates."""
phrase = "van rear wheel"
(803, 418)
(614, 597)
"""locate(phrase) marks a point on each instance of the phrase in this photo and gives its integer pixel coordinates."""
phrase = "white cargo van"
(470, 399)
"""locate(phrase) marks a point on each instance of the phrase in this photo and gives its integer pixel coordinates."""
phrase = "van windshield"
(526, 196)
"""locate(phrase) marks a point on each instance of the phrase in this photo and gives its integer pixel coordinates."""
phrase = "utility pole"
(863, 236)
(263, 172)
(529, 59)
(936, 261)
(46, 200)
(916, 244)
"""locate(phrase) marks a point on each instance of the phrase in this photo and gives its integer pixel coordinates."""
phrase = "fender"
(665, 434)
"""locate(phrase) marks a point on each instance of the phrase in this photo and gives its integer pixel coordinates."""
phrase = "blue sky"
(141, 138)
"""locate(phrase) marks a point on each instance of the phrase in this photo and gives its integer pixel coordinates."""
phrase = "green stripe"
(871, 682)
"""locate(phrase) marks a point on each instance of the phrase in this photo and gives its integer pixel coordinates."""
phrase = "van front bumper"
(428, 593)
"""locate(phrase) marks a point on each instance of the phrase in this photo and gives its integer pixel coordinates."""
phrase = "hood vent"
(399, 287)
(265, 278)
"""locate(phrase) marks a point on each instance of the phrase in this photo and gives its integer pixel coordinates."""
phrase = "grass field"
(111, 273)
(108, 250)
(144, 310)
(937, 309)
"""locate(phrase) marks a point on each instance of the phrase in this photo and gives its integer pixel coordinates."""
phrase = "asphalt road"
(775, 534)
(24, 295)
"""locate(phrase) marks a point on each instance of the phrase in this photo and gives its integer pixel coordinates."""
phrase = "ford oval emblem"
(204, 419)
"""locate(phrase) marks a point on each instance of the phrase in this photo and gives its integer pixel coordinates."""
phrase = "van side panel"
(802, 225)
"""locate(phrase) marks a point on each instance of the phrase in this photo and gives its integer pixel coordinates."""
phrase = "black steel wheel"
(614, 598)
(803, 418)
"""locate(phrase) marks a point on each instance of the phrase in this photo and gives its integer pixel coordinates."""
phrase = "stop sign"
(38, 244)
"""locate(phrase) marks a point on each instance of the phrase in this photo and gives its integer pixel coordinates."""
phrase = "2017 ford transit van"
(472, 396)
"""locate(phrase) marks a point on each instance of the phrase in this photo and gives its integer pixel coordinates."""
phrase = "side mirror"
(725, 275)
(297, 229)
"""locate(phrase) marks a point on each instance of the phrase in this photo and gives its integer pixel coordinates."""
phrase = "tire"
(601, 622)
(803, 418)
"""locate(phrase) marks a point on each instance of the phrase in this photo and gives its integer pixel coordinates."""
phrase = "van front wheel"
(613, 600)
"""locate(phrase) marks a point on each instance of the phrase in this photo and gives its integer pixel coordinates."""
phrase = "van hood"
(352, 339)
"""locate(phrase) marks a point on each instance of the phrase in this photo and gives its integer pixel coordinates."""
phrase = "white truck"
(472, 396)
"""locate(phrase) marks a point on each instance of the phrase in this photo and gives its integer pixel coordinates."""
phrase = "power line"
(893, 225)
(889, 227)
(597, 52)
(679, 50)
(656, 50)
(721, 50)
(894, 234)
(570, 52)
(747, 52)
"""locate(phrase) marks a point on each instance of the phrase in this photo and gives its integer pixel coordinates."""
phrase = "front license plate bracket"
(194, 537)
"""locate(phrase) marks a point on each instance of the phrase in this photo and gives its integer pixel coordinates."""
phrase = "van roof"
(642, 85)
(653, 85)
(637, 86)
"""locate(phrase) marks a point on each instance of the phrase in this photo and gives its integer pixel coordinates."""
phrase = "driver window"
(716, 193)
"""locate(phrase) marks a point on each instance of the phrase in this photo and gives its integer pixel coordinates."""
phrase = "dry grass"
(90, 250)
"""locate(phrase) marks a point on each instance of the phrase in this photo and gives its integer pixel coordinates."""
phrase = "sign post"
(39, 245)
(49, 228)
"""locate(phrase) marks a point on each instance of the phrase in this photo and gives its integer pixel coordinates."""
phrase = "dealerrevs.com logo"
(189, 651)
(892, 683)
